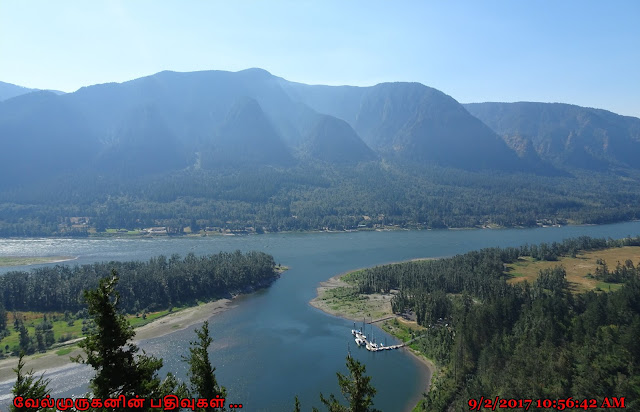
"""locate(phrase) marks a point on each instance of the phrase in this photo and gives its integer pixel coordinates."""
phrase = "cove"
(273, 344)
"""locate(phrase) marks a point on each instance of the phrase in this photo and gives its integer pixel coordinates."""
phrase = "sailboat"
(354, 331)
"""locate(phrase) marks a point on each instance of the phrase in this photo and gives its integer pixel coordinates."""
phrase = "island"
(44, 314)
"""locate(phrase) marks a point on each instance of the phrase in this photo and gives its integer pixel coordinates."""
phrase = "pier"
(361, 340)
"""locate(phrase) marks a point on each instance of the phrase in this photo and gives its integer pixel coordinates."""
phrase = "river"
(273, 344)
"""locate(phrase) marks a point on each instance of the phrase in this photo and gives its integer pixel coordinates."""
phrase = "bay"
(273, 344)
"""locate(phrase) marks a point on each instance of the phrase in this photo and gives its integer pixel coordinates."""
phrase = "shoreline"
(378, 229)
(165, 325)
(11, 261)
(334, 282)
(173, 322)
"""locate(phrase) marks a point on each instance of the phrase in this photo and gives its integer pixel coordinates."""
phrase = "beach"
(41, 362)
(377, 305)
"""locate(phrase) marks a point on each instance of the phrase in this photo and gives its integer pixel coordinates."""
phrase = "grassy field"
(70, 330)
(346, 301)
(30, 260)
(123, 232)
(577, 268)
(402, 329)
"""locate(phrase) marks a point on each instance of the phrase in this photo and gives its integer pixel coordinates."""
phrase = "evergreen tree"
(27, 386)
(201, 373)
(3, 318)
(109, 350)
(356, 389)
(26, 344)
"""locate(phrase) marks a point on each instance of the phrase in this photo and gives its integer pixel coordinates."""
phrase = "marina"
(280, 318)
(371, 346)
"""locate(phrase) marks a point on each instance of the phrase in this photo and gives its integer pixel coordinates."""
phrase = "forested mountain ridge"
(413, 122)
(525, 340)
(566, 135)
(8, 91)
(252, 151)
(333, 140)
(188, 113)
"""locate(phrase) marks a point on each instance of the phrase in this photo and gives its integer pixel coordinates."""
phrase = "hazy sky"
(581, 52)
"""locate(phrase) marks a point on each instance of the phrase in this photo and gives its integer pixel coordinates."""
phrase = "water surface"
(274, 345)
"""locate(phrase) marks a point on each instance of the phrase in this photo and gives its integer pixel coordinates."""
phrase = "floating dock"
(361, 340)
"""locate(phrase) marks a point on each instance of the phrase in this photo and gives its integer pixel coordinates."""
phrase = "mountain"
(334, 141)
(245, 138)
(41, 136)
(170, 121)
(142, 143)
(8, 90)
(173, 121)
(566, 135)
(413, 122)
(250, 150)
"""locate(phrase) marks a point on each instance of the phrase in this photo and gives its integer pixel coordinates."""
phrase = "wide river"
(273, 344)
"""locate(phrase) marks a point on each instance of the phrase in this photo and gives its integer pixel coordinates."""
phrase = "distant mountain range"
(405, 150)
(8, 90)
(165, 121)
(565, 135)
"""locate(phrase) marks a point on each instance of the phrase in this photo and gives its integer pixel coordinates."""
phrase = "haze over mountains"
(8, 90)
(171, 121)
(249, 149)
(565, 135)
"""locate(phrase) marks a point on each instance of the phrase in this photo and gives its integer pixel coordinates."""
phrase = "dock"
(361, 340)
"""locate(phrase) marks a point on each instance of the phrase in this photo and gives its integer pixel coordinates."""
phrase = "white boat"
(360, 342)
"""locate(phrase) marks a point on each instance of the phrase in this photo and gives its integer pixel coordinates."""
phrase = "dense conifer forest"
(369, 195)
(157, 284)
(521, 341)
(128, 379)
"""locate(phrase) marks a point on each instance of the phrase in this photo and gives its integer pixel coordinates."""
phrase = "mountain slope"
(333, 140)
(413, 122)
(566, 135)
(246, 138)
(142, 143)
(41, 136)
(8, 90)
(217, 118)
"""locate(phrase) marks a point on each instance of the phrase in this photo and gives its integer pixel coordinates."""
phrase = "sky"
(572, 51)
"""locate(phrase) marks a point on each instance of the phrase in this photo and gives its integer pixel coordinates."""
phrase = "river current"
(273, 345)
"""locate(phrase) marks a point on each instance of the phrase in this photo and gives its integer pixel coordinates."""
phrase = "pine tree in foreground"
(109, 349)
(27, 386)
(201, 373)
(356, 389)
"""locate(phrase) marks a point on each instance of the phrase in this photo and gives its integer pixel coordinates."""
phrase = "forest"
(159, 284)
(128, 380)
(522, 340)
(156, 284)
(316, 197)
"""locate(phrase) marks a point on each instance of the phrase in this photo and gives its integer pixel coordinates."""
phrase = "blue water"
(273, 345)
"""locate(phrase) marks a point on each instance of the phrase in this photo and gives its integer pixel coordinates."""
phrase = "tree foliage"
(120, 370)
(156, 284)
(521, 340)
(356, 389)
(27, 386)
(318, 196)
(201, 372)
